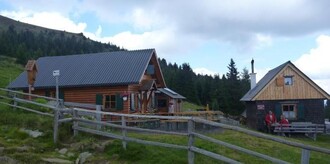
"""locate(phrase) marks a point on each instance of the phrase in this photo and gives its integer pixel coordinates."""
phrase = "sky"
(206, 34)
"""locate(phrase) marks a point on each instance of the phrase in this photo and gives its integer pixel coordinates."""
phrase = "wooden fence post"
(15, 102)
(124, 131)
(305, 154)
(75, 122)
(98, 117)
(191, 154)
(55, 124)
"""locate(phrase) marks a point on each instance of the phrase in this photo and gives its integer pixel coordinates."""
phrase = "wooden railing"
(96, 126)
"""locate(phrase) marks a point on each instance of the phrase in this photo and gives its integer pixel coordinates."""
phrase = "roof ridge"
(104, 68)
(98, 53)
(263, 82)
(282, 65)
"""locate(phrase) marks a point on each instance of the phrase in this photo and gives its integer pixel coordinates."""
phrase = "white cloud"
(98, 31)
(51, 20)
(205, 71)
(324, 84)
(263, 40)
(315, 63)
(247, 25)
(141, 19)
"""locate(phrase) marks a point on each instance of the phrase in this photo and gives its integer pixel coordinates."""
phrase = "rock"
(8, 160)
(63, 151)
(79, 146)
(70, 154)
(23, 149)
(100, 147)
(106, 143)
(82, 157)
(115, 157)
(32, 133)
(56, 160)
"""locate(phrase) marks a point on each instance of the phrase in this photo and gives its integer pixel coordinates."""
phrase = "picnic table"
(307, 128)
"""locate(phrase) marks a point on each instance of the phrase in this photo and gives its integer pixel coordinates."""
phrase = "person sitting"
(270, 119)
(284, 121)
(284, 124)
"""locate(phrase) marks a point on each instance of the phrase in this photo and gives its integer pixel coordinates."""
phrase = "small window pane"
(288, 80)
(285, 108)
(162, 103)
(113, 97)
(291, 107)
(289, 111)
(113, 104)
(107, 105)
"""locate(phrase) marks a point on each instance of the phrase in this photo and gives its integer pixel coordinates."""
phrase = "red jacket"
(270, 119)
(284, 121)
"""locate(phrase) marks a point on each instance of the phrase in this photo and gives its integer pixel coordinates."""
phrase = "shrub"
(38, 107)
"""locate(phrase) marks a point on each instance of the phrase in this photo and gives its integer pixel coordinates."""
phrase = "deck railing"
(98, 127)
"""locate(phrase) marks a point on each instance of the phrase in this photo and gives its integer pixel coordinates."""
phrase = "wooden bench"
(307, 128)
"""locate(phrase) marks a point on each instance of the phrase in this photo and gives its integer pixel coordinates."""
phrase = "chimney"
(253, 75)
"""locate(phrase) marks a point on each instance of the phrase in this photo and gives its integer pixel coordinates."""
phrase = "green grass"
(10, 137)
(9, 70)
(187, 106)
(271, 148)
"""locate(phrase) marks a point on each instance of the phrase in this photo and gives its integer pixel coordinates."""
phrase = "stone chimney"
(253, 75)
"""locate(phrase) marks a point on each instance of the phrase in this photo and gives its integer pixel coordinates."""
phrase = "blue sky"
(205, 34)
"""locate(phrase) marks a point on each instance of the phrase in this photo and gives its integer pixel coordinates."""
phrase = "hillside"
(9, 70)
(21, 27)
(25, 41)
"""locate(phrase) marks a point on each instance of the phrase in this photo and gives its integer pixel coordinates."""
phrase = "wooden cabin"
(288, 91)
(122, 81)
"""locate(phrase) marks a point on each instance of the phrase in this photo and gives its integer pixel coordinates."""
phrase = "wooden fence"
(96, 126)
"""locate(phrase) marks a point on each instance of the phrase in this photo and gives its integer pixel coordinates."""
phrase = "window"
(150, 70)
(162, 103)
(288, 80)
(110, 102)
(289, 111)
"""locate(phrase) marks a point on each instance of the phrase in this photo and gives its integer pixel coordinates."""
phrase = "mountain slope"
(25, 41)
(9, 70)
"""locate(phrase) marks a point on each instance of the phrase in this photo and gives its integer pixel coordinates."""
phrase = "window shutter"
(280, 81)
(61, 94)
(99, 99)
(47, 93)
(301, 112)
(119, 102)
(278, 111)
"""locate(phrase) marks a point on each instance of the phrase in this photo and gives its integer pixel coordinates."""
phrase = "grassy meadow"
(9, 70)
(186, 106)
